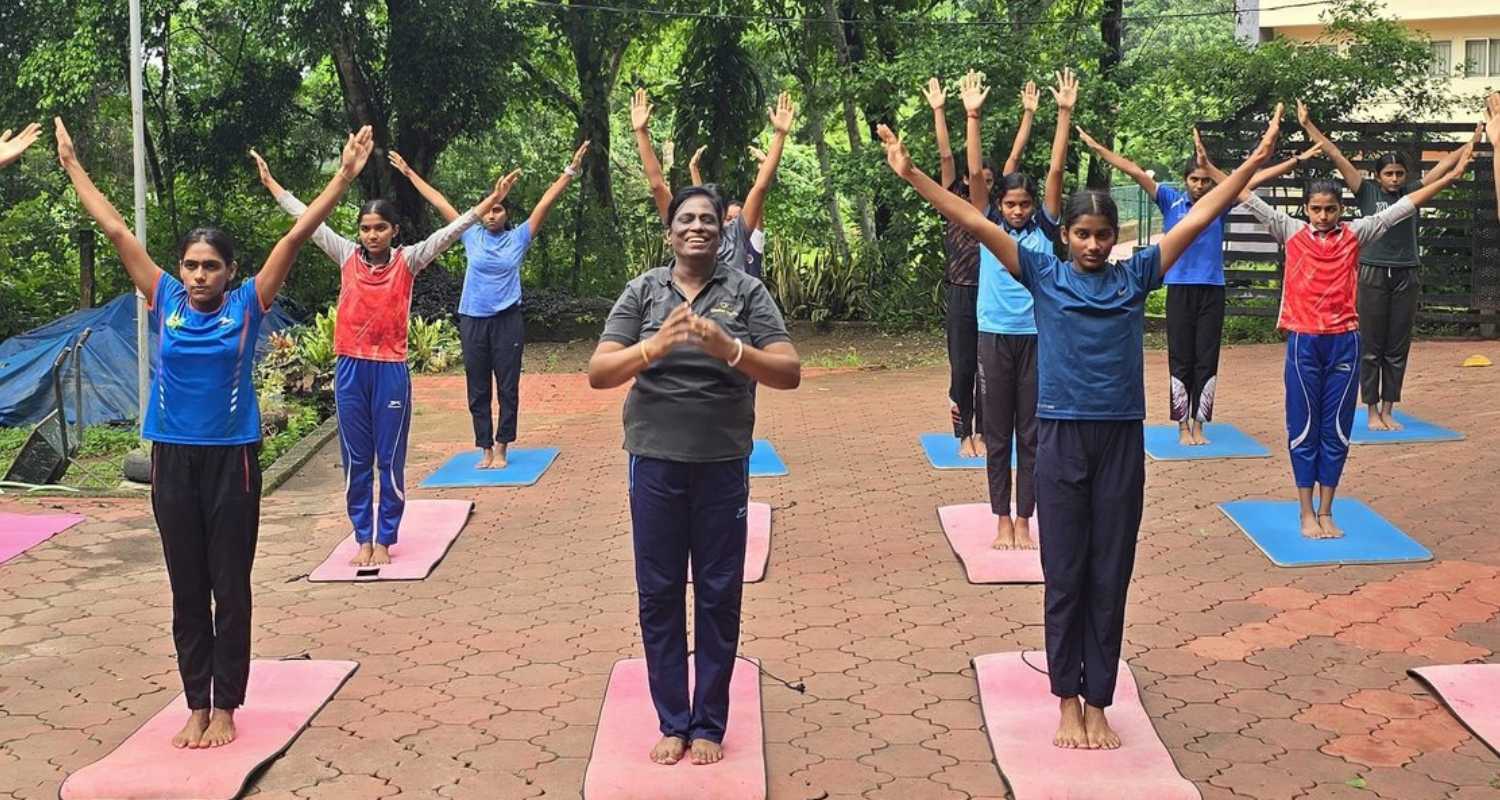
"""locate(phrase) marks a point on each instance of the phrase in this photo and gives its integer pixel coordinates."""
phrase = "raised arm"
(640, 117)
(1066, 94)
(142, 270)
(333, 245)
(1451, 157)
(1423, 195)
(11, 147)
(428, 192)
(419, 255)
(549, 197)
(973, 91)
(273, 272)
(1121, 163)
(1030, 100)
(963, 214)
(1492, 130)
(937, 97)
(1352, 176)
(1263, 176)
(693, 170)
(1220, 198)
(781, 124)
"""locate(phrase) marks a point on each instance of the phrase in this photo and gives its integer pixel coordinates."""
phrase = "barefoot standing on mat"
(489, 310)
(1006, 322)
(695, 335)
(372, 384)
(1091, 400)
(204, 426)
(1388, 283)
(1322, 324)
(11, 147)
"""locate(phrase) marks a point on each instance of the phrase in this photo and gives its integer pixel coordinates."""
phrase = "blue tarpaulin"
(108, 363)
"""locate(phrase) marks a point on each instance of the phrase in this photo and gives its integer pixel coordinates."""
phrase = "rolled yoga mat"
(281, 699)
(1020, 715)
(21, 532)
(620, 767)
(524, 466)
(970, 529)
(427, 530)
(1472, 693)
(1275, 527)
(1224, 441)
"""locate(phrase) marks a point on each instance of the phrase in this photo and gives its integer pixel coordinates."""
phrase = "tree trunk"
(597, 47)
(851, 119)
(1111, 28)
(359, 106)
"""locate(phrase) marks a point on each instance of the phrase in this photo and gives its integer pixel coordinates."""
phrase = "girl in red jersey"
(1322, 325)
(372, 386)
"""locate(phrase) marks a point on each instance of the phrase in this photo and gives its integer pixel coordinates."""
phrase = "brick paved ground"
(485, 680)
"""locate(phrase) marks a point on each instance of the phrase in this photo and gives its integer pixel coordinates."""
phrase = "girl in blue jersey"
(1091, 400)
(1007, 328)
(489, 310)
(204, 426)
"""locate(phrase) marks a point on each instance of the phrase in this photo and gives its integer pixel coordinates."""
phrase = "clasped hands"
(685, 328)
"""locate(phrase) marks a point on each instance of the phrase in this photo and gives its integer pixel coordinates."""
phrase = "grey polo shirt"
(690, 406)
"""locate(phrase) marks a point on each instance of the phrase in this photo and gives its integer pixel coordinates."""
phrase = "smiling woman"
(696, 335)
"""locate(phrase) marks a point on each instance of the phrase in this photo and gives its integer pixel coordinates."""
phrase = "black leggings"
(493, 346)
(1195, 328)
(206, 499)
(1007, 378)
(963, 357)
(1387, 305)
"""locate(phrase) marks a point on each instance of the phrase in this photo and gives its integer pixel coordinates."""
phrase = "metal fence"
(1458, 233)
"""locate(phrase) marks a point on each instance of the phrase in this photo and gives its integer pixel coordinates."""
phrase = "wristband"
(739, 352)
(570, 172)
(645, 358)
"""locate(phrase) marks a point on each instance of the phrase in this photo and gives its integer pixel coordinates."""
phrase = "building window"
(1476, 58)
(1442, 59)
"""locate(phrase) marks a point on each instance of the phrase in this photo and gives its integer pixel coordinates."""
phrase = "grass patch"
(302, 419)
(848, 359)
(99, 461)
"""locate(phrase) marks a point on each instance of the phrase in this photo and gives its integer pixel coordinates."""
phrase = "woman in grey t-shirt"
(1388, 285)
(695, 335)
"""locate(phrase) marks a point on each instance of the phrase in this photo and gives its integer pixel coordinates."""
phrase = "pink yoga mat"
(21, 532)
(427, 530)
(757, 543)
(280, 700)
(1472, 693)
(1020, 714)
(620, 767)
(970, 529)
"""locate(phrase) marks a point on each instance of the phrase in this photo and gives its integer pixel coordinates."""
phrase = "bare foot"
(1310, 527)
(669, 750)
(966, 448)
(1005, 534)
(1023, 538)
(1184, 434)
(1198, 437)
(1096, 728)
(1326, 528)
(362, 559)
(487, 458)
(381, 556)
(220, 730)
(706, 752)
(503, 459)
(1376, 421)
(978, 445)
(1070, 733)
(1391, 424)
(192, 730)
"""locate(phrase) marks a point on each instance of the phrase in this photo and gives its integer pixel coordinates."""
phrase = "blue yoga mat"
(942, 452)
(1224, 441)
(524, 467)
(1275, 528)
(765, 462)
(1413, 429)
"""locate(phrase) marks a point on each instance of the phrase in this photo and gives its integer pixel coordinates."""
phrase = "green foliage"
(300, 420)
(809, 283)
(432, 347)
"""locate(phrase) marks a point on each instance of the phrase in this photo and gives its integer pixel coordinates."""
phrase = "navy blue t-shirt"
(1090, 331)
(202, 392)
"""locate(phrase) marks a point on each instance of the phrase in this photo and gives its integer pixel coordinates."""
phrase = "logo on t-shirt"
(226, 321)
(176, 320)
